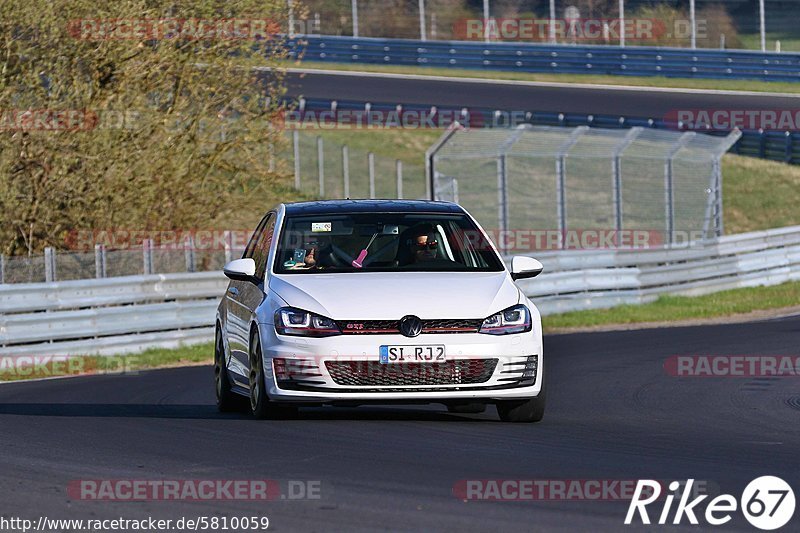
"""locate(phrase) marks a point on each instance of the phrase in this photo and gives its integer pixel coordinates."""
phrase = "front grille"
(373, 373)
(369, 327)
(383, 327)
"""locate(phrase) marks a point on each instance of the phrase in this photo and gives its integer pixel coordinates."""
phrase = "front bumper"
(346, 368)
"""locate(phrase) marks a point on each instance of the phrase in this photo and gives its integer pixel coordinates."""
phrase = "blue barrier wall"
(773, 145)
(528, 57)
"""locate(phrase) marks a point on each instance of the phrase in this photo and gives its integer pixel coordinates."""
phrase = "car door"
(247, 297)
(237, 312)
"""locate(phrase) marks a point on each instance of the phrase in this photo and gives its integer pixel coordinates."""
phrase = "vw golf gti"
(350, 302)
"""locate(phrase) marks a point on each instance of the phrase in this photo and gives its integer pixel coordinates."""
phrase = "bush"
(165, 133)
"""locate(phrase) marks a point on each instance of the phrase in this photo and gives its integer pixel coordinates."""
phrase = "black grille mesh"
(377, 327)
(373, 373)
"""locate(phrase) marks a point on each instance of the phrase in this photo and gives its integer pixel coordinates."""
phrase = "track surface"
(636, 102)
(613, 414)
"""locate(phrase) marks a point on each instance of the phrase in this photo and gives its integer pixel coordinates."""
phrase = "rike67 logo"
(767, 503)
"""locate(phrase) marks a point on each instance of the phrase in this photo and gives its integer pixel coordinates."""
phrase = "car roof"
(326, 207)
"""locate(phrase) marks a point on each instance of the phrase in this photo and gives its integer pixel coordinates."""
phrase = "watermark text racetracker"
(255, 29)
(139, 490)
(508, 240)
(732, 366)
(729, 119)
(559, 489)
(576, 29)
(14, 367)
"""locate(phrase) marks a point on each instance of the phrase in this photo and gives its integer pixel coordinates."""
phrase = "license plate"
(434, 353)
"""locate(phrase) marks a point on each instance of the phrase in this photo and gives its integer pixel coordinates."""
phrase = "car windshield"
(381, 242)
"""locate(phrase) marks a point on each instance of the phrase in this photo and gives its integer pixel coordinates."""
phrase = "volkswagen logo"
(410, 326)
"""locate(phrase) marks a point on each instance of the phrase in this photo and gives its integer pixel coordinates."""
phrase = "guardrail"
(116, 315)
(109, 315)
(564, 59)
(773, 145)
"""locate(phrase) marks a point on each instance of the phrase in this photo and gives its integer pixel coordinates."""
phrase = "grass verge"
(36, 367)
(602, 79)
(668, 309)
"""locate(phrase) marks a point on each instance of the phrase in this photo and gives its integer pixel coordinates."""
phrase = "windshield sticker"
(319, 227)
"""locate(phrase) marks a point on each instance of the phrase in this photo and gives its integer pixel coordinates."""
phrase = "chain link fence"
(663, 187)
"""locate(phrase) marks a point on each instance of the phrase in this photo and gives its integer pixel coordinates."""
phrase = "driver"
(425, 245)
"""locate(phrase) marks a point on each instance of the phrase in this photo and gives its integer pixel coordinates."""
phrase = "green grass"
(153, 358)
(759, 194)
(634, 81)
(673, 308)
(789, 42)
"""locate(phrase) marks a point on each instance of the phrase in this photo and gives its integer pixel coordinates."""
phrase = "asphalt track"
(562, 98)
(613, 413)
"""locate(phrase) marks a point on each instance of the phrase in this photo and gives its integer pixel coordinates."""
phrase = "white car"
(351, 302)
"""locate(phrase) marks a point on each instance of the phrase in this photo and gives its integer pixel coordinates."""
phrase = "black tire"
(531, 410)
(473, 408)
(227, 400)
(260, 405)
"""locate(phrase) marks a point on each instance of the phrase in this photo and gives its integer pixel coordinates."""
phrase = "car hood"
(390, 296)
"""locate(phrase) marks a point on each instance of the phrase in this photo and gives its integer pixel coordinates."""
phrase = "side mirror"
(525, 267)
(241, 270)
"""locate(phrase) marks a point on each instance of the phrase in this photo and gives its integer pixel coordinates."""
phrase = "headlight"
(290, 321)
(515, 319)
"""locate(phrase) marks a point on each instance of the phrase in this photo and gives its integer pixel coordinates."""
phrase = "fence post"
(228, 238)
(502, 183)
(99, 261)
(669, 185)
(291, 18)
(321, 166)
(296, 150)
(371, 160)
(2, 268)
(49, 264)
(346, 170)
(486, 34)
(561, 181)
(616, 171)
(430, 159)
(423, 32)
(147, 256)
(399, 170)
(718, 219)
(355, 17)
(188, 251)
(502, 204)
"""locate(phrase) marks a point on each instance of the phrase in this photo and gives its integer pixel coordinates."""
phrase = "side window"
(251, 245)
(261, 250)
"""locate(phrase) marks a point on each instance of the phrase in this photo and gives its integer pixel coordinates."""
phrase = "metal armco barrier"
(127, 314)
(773, 145)
(564, 59)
